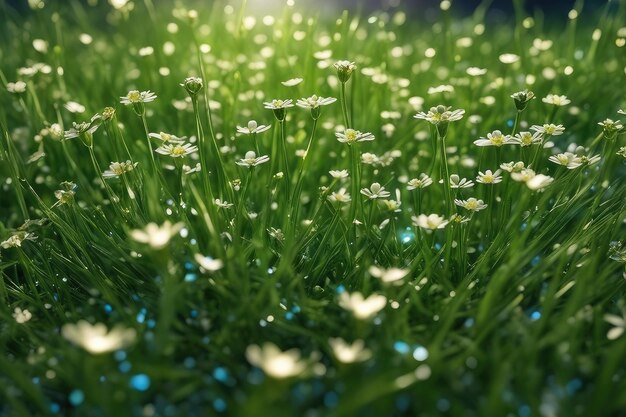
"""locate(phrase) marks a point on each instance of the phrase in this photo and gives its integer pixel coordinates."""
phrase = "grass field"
(213, 208)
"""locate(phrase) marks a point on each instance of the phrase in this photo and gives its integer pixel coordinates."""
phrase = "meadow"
(224, 208)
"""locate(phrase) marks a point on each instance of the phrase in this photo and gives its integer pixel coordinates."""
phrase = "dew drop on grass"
(76, 397)
(140, 382)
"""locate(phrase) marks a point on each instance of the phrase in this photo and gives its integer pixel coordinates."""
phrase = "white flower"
(278, 104)
(618, 322)
(539, 181)
(508, 58)
(475, 71)
(526, 138)
(533, 181)
(314, 102)
(431, 222)
(495, 138)
(620, 111)
(349, 353)
(567, 159)
(274, 362)
(444, 88)
(74, 107)
(556, 100)
(222, 204)
(489, 177)
(156, 236)
(207, 263)
(512, 166)
(252, 128)
(251, 160)
(292, 82)
(135, 96)
(21, 316)
(340, 196)
(471, 204)
(375, 191)
(167, 137)
(548, 129)
(344, 70)
(388, 276)
(97, 338)
(176, 150)
(458, 182)
(17, 87)
(118, 168)
(339, 174)
(423, 182)
(362, 308)
(440, 114)
(350, 136)
(190, 170)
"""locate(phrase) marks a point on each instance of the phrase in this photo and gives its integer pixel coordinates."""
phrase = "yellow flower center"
(178, 150)
(134, 96)
(351, 135)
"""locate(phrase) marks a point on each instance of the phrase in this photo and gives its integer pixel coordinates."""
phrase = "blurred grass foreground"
(284, 209)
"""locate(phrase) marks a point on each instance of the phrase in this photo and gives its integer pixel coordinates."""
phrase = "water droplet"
(108, 308)
(420, 353)
(219, 405)
(535, 315)
(140, 382)
(401, 347)
(190, 277)
(76, 397)
(220, 374)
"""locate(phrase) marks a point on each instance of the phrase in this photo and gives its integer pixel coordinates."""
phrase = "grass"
(514, 309)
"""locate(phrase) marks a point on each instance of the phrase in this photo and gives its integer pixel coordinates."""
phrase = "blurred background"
(417, 8)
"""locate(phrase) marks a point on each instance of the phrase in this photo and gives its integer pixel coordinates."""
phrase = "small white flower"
(17, 87)
(475, 71)
(251, 160)
(508, 58)
(21, 316)
(556, 100)
(314, 102)
(339, 174)
(471, 204)
(222, 204)
(526, 138)
(349, 353)
(539, 181)
(618, 322)
(512, 166)
(118, 168)
(15, 240)
(440, 114)
(156, 236)
(548, 129)
(207, 263)
(292, 82)
(388, 276)
(97, 338)
(278, 104)
(489, 177)
(362, 308)
(176, 150)
(350, 136)
(444, 88)
(340, 196)
(431, 222)
(344, 70)
(495, 138)
(74, 107)
(252, 127)
(167, 137)
(423, 182)
(135, 96)
(375, 191)
(274, 362)
(567, 159)
(458, 182)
